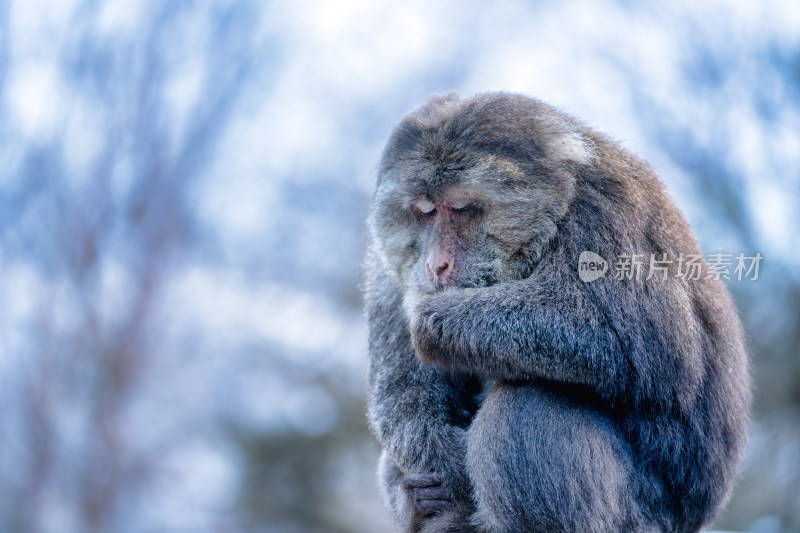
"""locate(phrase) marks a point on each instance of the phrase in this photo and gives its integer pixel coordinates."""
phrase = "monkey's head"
(471, 190)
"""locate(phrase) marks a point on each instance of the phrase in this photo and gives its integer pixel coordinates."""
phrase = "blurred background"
(183, 190)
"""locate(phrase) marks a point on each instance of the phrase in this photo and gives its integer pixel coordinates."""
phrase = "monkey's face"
(467, 225)
(470, 191)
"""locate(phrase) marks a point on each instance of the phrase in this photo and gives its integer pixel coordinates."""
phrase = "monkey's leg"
(540, 462)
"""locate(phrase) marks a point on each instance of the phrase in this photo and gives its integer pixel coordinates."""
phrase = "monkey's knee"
(541, 463)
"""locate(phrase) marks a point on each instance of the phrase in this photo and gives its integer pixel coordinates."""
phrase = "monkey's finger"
(432, 506)
(433, 493)
(421, 481)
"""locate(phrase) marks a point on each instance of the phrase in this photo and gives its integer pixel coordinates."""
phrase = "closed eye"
(463, 206)
(424, 206)
(460, 205)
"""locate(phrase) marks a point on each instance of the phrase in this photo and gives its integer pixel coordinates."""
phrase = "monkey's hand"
(434, 508)
(439, 490)
(427, 493)
(432, 328)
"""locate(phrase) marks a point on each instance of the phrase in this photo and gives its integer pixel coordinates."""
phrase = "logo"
(591, 266)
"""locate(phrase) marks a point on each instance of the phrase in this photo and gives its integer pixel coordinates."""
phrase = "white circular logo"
(591, 266)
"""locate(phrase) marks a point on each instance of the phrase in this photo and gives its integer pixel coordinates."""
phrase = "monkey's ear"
(562, 138)
(565, 144)
(570, 147)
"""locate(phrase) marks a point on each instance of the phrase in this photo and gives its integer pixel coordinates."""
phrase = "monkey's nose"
(438, 275)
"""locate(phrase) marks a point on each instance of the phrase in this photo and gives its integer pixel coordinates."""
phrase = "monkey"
(510, 395)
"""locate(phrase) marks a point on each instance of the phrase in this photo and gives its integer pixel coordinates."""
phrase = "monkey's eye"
(460, 205)
(424, 206)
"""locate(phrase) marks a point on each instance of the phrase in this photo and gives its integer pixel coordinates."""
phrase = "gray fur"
(532, 400)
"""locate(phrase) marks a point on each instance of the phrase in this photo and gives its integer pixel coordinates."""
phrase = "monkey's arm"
(416, 411)
(556, 327)
(413, 410)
